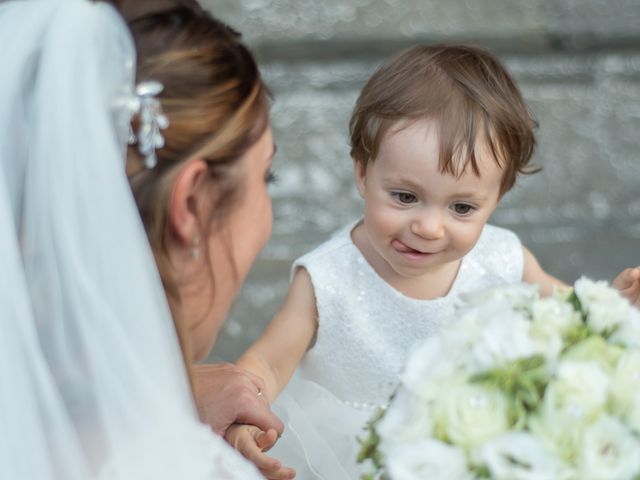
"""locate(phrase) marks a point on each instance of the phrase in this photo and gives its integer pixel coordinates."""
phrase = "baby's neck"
(429, 286)
(432, 284)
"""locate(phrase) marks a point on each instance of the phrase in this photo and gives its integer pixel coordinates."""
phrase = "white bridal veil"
(92, 383)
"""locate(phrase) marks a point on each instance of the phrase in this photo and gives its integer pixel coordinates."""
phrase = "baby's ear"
(360, 175)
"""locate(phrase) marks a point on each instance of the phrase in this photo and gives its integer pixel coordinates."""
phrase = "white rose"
(604, 306)
(428, 366)
(580, 388)
(520, 456)
(597, 350)
(625, 389)
(506, 338)
(468, 414)
(632, 417)
(609, 451)
(406, 420)
(625, 381)
(558, 429)
(427, 459)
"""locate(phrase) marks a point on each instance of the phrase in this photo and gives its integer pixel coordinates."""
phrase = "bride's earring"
(195, 247)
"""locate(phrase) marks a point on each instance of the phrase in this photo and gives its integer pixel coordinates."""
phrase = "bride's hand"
(252, 442)
(628, 283)
(227, 394)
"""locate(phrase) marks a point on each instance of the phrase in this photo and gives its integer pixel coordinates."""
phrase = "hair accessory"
(152, 120)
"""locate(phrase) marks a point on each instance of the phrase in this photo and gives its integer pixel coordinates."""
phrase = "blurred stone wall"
(577, 62)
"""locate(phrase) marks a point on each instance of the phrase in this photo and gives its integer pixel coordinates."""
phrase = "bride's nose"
(428, 224)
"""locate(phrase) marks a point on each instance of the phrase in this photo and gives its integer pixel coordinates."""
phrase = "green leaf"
(481, 472)
(576, 335)
(577, 305)
(369, 444)
(522, 381)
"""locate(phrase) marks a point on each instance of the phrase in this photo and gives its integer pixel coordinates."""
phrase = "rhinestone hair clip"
(151, 121)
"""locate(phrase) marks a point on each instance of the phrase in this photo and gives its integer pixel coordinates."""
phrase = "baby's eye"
(463, 208)
(405, 197)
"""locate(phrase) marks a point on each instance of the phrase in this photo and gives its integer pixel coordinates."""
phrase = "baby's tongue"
(401, 247)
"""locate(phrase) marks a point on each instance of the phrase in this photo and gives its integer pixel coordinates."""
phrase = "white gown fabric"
(366, 329)
(93, 385)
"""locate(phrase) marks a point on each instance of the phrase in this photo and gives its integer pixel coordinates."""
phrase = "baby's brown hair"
(466, 90)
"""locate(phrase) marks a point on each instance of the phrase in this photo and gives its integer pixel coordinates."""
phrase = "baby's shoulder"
(497, 238)
(336, 245)
(498, 253)
(330, 256)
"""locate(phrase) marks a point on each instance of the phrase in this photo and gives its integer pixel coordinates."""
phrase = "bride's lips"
(408, 252)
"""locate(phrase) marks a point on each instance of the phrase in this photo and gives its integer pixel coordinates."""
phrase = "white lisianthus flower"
(459, 333)
(628, 334)
(609, 451)
(520, 456)
(505, 338)
(625, 381)
(580, 388)
(604, 306)
(551, 319)
(552, 316)
(407, 419)
(604, 317)
(469, 414)
(518, 296)
(427, 459)
(427, 367)
(562, 294)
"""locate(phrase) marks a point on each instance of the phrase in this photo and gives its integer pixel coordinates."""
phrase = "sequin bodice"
(366, 327)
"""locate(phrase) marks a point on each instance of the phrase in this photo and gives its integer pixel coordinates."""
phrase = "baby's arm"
(628, 283)
(534, 274)
(274, 357)
(276, 354)
(252, 442)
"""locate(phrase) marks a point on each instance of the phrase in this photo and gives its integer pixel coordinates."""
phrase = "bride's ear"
(186, 208)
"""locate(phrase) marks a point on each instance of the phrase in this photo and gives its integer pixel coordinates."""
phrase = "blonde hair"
(466, 90)
(217, 106)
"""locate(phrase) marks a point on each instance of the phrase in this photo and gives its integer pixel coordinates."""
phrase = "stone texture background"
(578, 65)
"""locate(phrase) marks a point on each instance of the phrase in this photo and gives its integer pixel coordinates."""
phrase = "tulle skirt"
(320, 438)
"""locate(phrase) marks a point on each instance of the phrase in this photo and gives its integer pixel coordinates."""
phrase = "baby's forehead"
(456, 148)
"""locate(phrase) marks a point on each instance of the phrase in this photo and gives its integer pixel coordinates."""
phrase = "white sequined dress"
(365, 330)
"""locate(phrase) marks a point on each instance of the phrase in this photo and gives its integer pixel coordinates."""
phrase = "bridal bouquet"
(519, 388)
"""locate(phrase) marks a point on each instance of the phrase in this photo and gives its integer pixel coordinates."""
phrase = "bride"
(94, 384)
